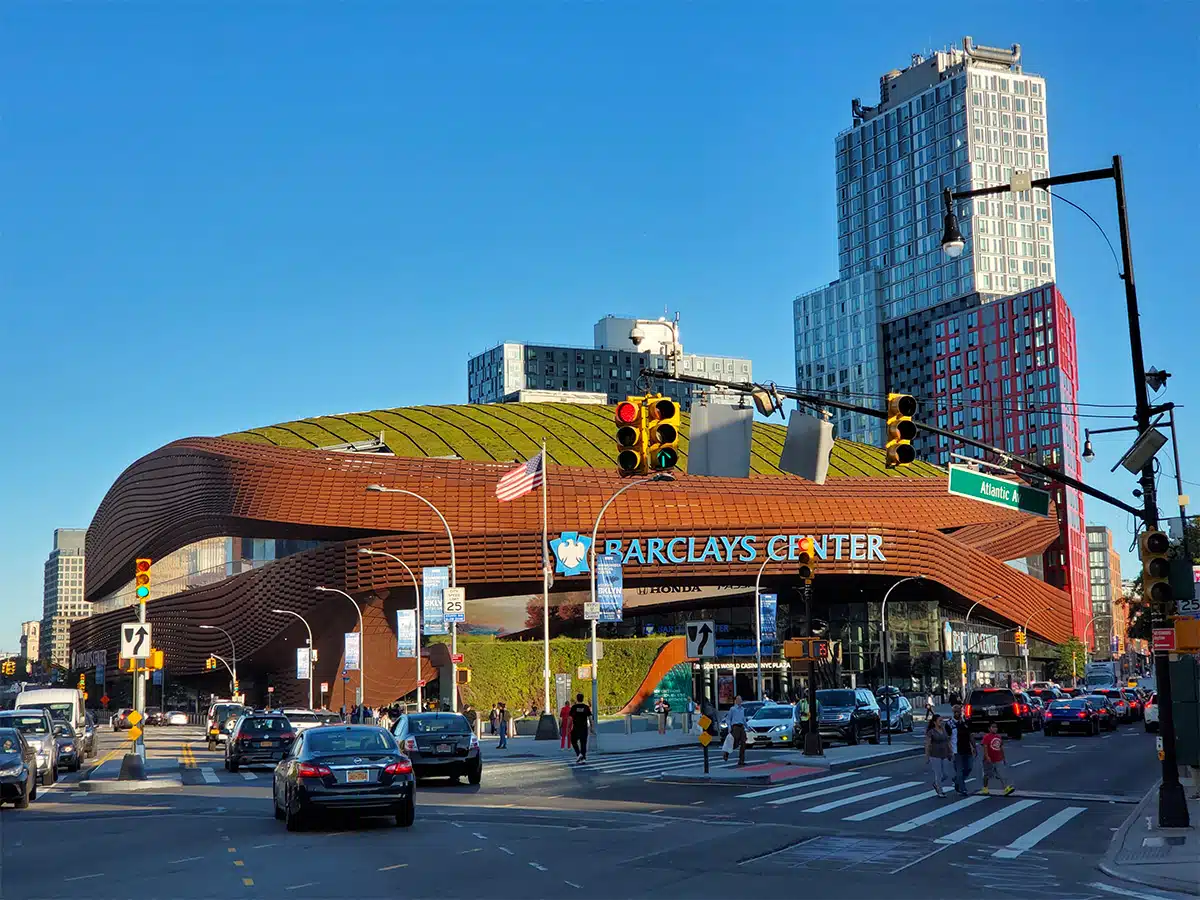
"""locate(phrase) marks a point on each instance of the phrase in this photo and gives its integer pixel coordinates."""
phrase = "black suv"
(258, 739)
(848, 714)
(999, 705)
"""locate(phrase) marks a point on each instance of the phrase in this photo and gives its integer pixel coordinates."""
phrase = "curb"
(765, 777)
(112, 786)
(1109, 866)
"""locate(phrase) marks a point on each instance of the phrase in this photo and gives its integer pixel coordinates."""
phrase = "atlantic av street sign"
(967, 482)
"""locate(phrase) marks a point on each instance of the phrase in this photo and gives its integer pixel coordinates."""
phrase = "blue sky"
(218, 216)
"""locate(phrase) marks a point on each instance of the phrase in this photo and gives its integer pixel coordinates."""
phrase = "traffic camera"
(807, 557)
(1156, 567)
(901, 430)
(662, 433)
(141, 579)
(631, 437)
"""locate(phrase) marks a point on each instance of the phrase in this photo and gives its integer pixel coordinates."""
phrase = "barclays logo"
(571, 553)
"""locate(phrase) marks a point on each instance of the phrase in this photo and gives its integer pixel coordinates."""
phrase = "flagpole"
(545, 588)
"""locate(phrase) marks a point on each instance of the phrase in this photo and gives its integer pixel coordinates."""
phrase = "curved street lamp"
(1025, 647)
(887, 695)
(362, 647)
(758, 623)
(311, 648)
(381, 489)
(365, 551)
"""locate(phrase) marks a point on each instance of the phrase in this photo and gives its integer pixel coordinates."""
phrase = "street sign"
(134, 717)
(591, 610)
(701, 639)
(705, 738)
(456, 658)
(1164, 638)
(324, 687)
(454, 604)
(135, 640)
(104, 701)
(968, 482)
(156, 677)
(584, 673)
(134, 733)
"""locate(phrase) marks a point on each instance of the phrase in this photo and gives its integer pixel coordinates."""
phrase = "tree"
(1072, 657)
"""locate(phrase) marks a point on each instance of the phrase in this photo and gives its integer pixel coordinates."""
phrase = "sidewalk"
(1165, 858)
(606, 744)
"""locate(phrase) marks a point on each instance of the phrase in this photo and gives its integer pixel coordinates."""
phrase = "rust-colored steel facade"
(208, 487)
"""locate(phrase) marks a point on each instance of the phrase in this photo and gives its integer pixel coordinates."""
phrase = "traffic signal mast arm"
(811, 400)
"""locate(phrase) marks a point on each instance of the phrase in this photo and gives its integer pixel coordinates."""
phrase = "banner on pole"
(610, 586)
(352, 650)
(434, 580)
(406, 634)
(769, 604)
(303, 666)
(99, 673)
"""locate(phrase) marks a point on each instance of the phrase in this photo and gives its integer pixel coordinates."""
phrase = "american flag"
(521, 480)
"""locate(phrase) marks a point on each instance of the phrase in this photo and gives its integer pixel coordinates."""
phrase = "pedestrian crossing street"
(852, 797)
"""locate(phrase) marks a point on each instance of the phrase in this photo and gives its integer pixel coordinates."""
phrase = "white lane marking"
(889, 807)
(1020, 763)
(389, 868)
(830, 790)
(84, 877)
(986, 822)
(634, 767)
(184, 859)
(1125, 892)
(506, 850)
(1034, 836)
(210, 777)
(857, 798)
(937, 814)
(538, 866)
(1070, 747)
(250, 776)
(261, 846)
(456, 824)
(480, 836)
(794, 787)
(296, 887)
(573, 884)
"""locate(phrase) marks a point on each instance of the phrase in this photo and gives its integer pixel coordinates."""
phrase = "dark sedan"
(440, 744)
(258, 739)
(70, 753)
(1109, 716)
(18, 769)
(344, 768)
(1076, 714)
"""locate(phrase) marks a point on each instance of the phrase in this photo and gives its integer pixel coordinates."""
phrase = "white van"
(63, 704)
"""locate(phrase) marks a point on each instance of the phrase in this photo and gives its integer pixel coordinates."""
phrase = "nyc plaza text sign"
(746, 548)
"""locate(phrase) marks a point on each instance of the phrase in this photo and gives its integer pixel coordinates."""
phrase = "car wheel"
(1148, 728)
(407, 813)
(33, 788)
(232, 765)
(293, 819)
(22, 802)
(275, 804)
(75, 768)
(852, 738)
(910, 725)
(50, 777)
(476, 774)
(212, 746)
(1095, 727)
(874, 739)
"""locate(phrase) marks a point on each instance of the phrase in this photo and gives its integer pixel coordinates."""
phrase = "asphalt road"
(545, 828)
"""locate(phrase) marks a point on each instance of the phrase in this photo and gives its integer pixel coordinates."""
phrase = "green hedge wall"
(512, 670)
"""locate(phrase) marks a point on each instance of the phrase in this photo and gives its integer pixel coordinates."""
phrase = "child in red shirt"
(993, 760)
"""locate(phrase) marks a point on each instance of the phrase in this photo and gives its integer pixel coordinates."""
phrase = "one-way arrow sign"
(135, 640)
(700, 641)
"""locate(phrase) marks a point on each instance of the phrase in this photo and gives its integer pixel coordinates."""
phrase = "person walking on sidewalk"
(502, 724)
(994, 761)
(581, 719)
(737, 728)
(492, 717)
(964, 750)
(937, 753)
(564, 726)
(928, 707)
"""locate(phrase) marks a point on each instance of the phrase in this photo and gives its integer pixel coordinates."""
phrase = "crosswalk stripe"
(1034, 836)
(249, 776)
(889, 807)
(986, 822)
(619, 765)
(210, 777)
(830, 790)
(846, 801)
(937, 814)
(783, 788)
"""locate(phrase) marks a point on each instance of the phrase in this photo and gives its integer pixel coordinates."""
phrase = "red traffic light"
(627, 413)
(142, 565)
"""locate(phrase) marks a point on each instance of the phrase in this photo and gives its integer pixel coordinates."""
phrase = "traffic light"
(901, 430)
(9, 667)
(662, 433)
(807, 557)
(1156, 567)
(631, 437)
(154, 660)
(141, 579)
(210, 663)
(1020, 638)
(82, 682)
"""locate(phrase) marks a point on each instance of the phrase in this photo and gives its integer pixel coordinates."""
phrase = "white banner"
(352, 650)
(303, 669)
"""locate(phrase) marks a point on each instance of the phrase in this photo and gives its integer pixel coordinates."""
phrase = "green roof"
(575, 435)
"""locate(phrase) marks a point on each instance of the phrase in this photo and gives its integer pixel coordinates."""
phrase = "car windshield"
(992, 698)
(350, 740)
(30, 724)
(268, 725)
(60, 712)
(835, 698)
(1076, 703)
(63, 729)
(773, 713)
(223, 711)
(1115, 694)
(9, 743)
(438, 724)
(305, 717)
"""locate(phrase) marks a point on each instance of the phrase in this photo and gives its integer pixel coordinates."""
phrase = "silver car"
(37, 728)
(771, 726)
(304, 719)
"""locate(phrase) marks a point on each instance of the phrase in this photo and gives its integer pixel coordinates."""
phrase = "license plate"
(991, 710)
(265, 743)
(357, 775)
(443, 748)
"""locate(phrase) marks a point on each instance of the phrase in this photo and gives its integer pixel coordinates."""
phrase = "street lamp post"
(311, 649)
(380, 489)
(362, 648)
(237, 688)
(662, 476)
(417, 595)
(887, 694)
(758, 625)
(1172, 802)
(1025, 646)
(1087, 654)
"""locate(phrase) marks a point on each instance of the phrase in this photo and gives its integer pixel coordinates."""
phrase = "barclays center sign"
(570, 550)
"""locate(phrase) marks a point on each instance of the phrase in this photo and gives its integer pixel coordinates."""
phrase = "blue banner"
(156, 678)
(610, 584)
(1113, 644)
(768, 603)
(99, 673)
(406, 634)
(434, 580)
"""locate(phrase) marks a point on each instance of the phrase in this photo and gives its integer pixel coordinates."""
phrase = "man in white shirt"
(737, 727)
